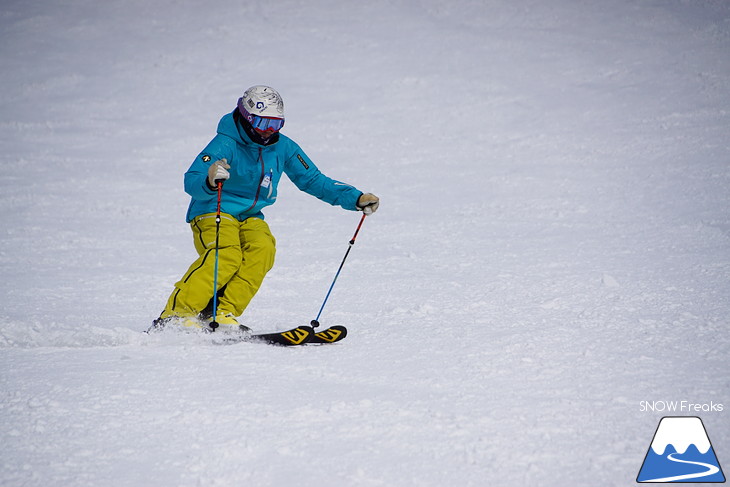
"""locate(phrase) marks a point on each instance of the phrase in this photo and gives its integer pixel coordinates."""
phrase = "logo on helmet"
(262, 101)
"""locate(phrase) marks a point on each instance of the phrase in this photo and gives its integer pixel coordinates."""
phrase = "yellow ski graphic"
(296, 336)
(329, 335)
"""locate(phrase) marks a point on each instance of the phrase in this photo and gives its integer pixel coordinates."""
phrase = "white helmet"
(262, 101)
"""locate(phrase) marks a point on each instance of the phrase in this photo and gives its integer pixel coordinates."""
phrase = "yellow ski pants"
(246, 253)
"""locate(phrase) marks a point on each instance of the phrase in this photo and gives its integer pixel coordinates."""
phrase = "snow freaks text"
(680, 407)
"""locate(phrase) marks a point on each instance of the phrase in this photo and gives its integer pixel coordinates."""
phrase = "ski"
(300, 335)
(288, 338)
(296, 336)
(330, 335)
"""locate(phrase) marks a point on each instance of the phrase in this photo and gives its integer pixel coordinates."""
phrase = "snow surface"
(552, 248)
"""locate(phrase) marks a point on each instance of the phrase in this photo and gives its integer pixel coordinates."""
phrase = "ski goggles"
(261, 123)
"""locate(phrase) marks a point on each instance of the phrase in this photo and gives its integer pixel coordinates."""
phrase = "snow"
(552, 247)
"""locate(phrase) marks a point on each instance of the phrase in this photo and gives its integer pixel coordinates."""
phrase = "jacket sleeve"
(196, 177)
(306, 176)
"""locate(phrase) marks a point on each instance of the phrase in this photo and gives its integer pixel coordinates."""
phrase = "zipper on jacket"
(258, 190)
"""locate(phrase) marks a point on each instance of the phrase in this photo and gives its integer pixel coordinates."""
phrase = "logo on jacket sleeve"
(304, 163)
(206, 158)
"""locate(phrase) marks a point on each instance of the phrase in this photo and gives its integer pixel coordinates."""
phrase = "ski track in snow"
(552, 246)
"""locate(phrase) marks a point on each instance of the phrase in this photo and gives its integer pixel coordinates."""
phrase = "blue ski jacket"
(255, 173)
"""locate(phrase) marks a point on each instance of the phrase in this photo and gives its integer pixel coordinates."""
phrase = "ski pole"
(214, 324)
(315, 322)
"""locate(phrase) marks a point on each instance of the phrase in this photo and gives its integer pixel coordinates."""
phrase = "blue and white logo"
(681, 452)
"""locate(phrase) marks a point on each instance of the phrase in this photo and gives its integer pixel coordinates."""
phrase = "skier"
(249, 155)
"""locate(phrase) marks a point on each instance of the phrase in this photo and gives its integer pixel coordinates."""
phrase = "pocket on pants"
(204, 229)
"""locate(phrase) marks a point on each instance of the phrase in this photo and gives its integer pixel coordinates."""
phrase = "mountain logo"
(681, 452)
